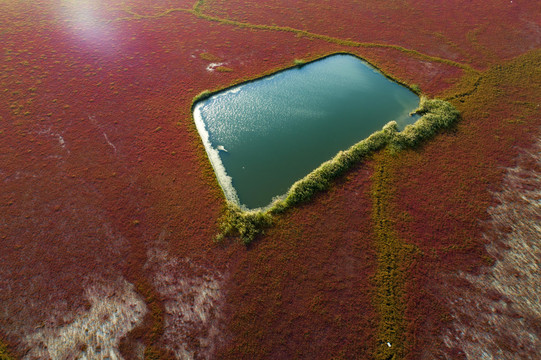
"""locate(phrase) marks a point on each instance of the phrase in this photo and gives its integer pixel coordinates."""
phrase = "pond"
(264, 135)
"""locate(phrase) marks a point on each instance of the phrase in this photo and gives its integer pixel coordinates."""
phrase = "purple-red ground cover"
(109, 205)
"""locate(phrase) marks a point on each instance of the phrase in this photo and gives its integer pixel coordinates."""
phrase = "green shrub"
(246, 224)
(415, 88)
(203, 95)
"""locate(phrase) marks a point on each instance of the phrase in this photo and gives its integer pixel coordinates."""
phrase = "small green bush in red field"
(436, 115)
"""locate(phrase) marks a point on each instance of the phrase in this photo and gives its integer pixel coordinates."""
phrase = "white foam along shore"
(225, 181)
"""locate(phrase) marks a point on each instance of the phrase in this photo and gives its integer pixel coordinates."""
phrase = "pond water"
(264, 135)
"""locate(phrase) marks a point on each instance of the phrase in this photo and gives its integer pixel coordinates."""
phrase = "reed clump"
(224, 69)
(435, 115)
(203, 95)
(247, 224)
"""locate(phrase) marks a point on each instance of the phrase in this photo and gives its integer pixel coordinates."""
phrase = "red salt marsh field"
(109, 205)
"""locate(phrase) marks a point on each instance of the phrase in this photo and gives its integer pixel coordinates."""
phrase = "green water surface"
(264, 135)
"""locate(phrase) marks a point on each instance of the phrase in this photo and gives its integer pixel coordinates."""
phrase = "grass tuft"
(224, 69)
(245, 224)
(203, 95)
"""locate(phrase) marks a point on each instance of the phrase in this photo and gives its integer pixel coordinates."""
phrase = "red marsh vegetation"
(477, 33)
(109, 205)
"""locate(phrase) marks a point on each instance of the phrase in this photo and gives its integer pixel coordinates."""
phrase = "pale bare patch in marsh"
(499, 315)
(114, 310)
(192, 297)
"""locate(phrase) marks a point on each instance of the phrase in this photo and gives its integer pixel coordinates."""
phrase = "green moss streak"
(136, 16)
(467, 86)
(4, 352)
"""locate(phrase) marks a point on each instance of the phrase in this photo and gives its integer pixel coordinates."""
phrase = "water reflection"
(277, 130)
